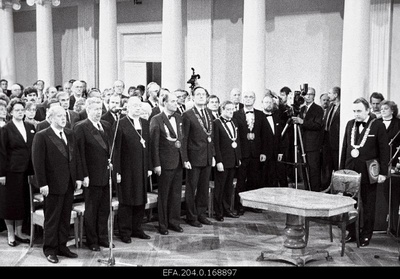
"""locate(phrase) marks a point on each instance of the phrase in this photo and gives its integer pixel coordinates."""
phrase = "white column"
(87, 43)
(253, 73)
(355, 58)
(7, 54)
(381, 34)
(108, 66)
(172, 70)
(199, 41)
(44, 42)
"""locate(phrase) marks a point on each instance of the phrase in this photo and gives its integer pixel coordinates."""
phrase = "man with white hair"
(57, 167)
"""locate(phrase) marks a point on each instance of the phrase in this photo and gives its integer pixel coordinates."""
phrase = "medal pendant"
(143, 142)
(250, 136)
(355, 153)
(178, 144)
(209, 139)
(234, 144)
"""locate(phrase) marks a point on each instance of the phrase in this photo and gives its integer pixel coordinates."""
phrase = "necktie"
(99, 127)
(358, 129)
(170, 116)
(305, 111)
(67, 115)
(203, 114)
(63, 139)
(329, 119)
(250, 111)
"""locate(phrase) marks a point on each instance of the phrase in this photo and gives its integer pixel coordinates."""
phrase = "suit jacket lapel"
(68, 134)
(57, 141)
(169, 126)
(16, 131)
(96, 134)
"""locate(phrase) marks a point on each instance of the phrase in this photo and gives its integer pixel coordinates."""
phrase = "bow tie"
(226, 120)
(170, 116)
(268, 114)
(358, 123)
(387, 120)
(250, 111)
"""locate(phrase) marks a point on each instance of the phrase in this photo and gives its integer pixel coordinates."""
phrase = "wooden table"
(297, 204)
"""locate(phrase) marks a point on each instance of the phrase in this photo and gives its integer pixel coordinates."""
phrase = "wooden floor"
(234, 243)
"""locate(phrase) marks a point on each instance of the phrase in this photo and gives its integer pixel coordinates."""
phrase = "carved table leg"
(294, 244)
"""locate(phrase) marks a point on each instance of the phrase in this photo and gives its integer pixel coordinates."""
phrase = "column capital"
(15, 4)
(43, 2)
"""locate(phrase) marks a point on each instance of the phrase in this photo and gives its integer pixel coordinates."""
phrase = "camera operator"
(310, 120)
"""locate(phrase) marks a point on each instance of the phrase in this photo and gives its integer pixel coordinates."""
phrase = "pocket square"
(32, 131)
(371, 136)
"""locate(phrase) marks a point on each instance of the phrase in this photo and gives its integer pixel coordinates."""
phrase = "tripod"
(296, 164)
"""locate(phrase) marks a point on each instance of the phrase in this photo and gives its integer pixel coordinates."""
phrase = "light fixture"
(15, 4)
(55, 3)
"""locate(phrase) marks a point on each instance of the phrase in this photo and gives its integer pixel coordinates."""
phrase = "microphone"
(118, 110)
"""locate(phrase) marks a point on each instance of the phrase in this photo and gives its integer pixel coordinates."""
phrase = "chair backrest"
(346, 182)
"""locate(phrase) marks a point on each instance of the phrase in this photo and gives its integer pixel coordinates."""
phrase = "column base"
(297, 257)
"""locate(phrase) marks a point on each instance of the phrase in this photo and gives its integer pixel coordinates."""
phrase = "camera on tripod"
(193, 79)
(298, 99)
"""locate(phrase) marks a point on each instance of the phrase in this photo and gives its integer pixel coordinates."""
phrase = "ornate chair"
(343, 182)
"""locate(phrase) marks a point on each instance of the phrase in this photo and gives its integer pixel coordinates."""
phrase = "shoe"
(175, 228)
(94, 247)
(349, 238)
(126, 239)
(52, 258)
(230, 214)
(205, 221)
(67, 253)
(195, 224)
(141, 235)
(105, 244)
(364, 242)
(22, 240)
(219, 218)
(12, 243)
(163, 231)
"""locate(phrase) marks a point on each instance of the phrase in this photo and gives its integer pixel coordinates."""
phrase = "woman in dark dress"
(15, 167)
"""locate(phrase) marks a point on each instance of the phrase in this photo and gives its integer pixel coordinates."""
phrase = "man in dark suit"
(71, 116)
(235, 97)
(310, 121)
(227, 158)
(365, 139)
(113, 112)
(252, 133)
(330, 139)
(274, 171)
(133, 164)
(57, 167)
(181, 96)
(152, 94)
(198, 150)
(214, 105)
(93, 137)
(166, 135)
(77, 93)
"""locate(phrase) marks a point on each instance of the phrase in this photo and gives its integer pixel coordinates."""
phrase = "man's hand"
(297, 120)
(187, 165)
(220, 167)
(263, 157)
(157, 170)
(44, 190)
(3, 180)
(85, 181)
(381, 178)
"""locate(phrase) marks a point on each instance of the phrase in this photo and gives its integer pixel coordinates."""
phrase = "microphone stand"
(111, 260)
(390, 177)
